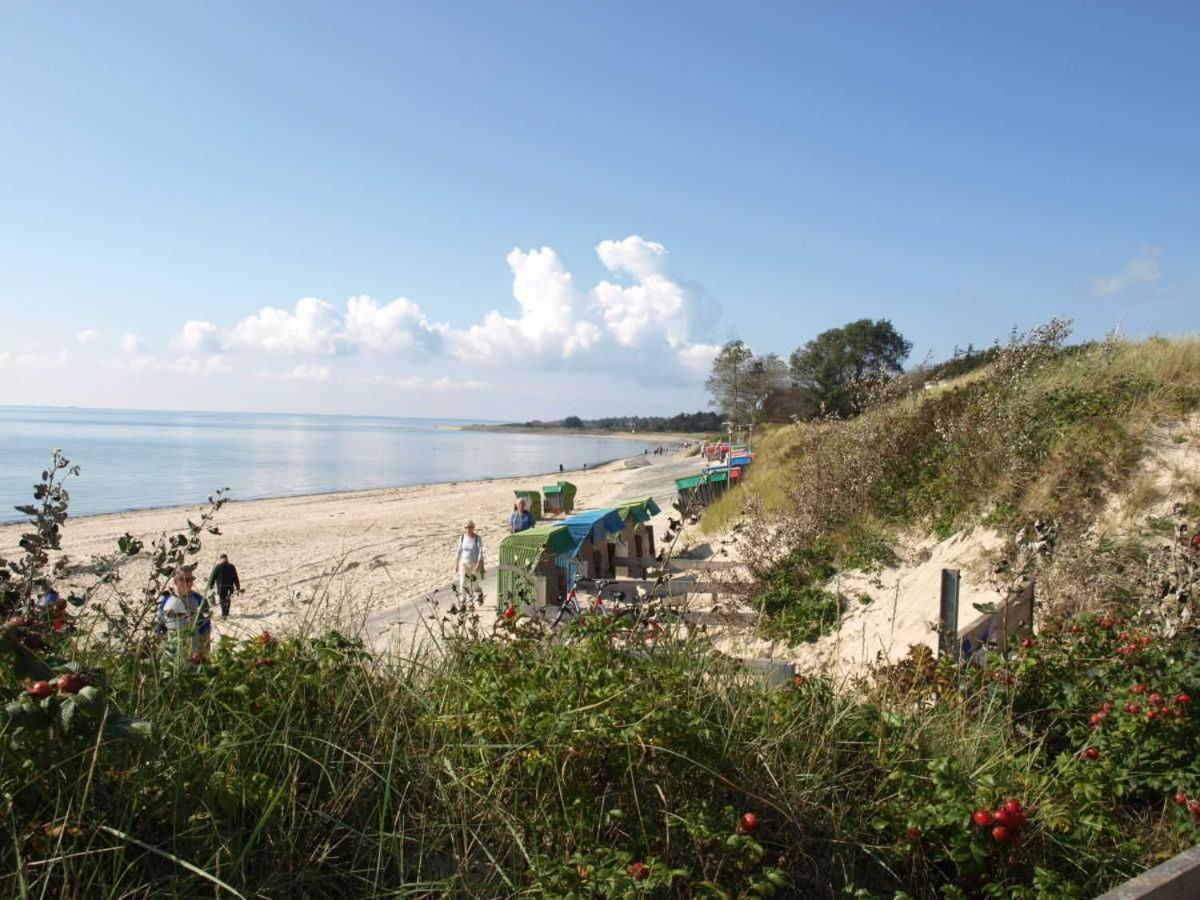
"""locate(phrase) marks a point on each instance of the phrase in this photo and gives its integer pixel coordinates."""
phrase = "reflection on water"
(135, 460)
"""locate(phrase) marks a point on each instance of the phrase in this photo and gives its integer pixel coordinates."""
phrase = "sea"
(135, 459)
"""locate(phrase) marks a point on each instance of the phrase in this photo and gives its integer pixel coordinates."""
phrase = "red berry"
(1000, 833)
(196, 658)
(1002, 817)
(71, 683)
(982, 818)
(1194, 808)
(264, 638)
(40, 690)
(1182, 699)
(1155, 699)
(1145, 639)
(1132, 708)
(1138, 689)
(913, 834)
(1106, 706)
(1075, 629)
(1028, 642)
(1091, 753)
(639, 871)
(1013, 805)
(748, 823)
(509, 612)
(1181, 798)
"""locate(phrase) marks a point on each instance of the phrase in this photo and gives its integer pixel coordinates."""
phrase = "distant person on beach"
(184, 613)
(521, 517)
(225, 577)
(560, 468)
(468, 561)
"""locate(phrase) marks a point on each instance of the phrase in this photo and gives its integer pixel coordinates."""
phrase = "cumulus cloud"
(399, 325)
(311, 329)
(1142, 269)
(634, 256)
(551, 319)
(87, 336)
(640, 317)
(131, 343)
(198, 337)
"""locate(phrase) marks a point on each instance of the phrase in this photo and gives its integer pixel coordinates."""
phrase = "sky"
(509, 211)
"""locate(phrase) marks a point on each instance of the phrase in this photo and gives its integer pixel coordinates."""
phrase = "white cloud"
(400, 325)
(419, 383)
(131, 343)
(551, 321)
(211, 364)
(641, 319)
(311, 329)
(1142, 269)
(634, 256)
(697, 359)
(87, 336)
(302, 372)
(198, 337)
(27, 360)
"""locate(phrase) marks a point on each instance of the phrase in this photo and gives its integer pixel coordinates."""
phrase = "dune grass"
(505, 765)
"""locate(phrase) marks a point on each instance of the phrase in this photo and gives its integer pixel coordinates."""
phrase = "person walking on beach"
(183, 613)
(468, 561)
(521, 517)
(225, 577)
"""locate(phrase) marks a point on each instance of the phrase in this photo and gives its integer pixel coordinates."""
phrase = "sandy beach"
(373, 557)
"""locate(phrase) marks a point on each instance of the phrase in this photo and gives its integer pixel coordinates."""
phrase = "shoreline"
(326, 495)
(361, 560)
(644, 436)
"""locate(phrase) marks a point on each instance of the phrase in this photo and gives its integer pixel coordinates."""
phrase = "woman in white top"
(469, 561)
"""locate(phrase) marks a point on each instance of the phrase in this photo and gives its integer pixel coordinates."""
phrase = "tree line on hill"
(826, 375)
(680, 422)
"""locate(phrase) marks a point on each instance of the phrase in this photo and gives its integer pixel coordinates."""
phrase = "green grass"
(1042, 432)
(507, 765)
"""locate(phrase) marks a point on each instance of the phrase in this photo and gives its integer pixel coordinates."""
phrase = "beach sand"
(368, 557)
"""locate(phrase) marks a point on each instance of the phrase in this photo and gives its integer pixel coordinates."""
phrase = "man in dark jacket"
(225, 577)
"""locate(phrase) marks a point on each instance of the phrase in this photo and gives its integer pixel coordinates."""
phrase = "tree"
(837, 361)
(764, 376)
(727, 383)
(572, 422)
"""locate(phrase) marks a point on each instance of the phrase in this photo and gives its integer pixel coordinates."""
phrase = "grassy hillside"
(1043, 432)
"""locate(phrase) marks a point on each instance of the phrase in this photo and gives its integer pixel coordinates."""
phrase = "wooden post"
(948, 614)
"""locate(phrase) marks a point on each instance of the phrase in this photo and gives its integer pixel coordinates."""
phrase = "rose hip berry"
(1138, 689)
(1000, 833)
(1132, 708)
(748, 823)
(1181, 798)
(982, 818)
(639, 871)
(40, 690)
(1091, 753)
(1182, 699)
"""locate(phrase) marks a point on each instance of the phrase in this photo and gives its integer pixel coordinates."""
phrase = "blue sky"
(763, 172)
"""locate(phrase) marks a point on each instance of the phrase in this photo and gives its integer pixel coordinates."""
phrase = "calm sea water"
(136, 460)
